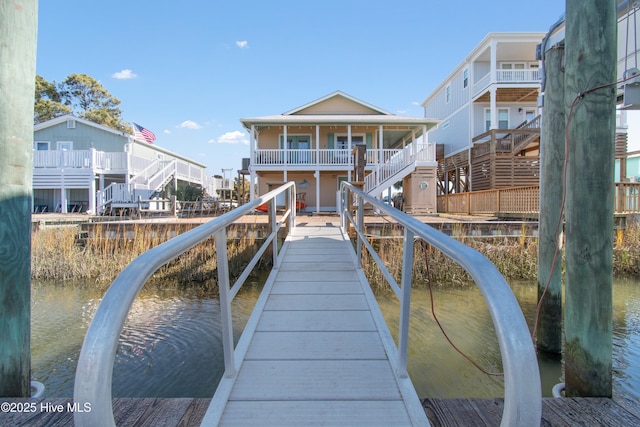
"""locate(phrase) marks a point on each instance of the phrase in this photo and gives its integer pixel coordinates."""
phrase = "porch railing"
(522, 388)
(335, 157)
(518, 200)
(530, 75)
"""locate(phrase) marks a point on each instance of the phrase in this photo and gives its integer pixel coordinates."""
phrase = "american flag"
(143, 134)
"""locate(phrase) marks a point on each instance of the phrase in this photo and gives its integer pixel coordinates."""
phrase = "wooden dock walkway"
(187, 412)
(316, 349)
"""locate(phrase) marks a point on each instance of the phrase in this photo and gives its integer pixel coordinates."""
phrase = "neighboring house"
(489, 117)
(82, 166)
(317, 155)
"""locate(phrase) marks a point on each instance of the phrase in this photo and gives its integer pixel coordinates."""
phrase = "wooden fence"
(524, 200)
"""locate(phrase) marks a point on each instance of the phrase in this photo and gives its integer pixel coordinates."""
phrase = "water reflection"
(437, 370)
(171, 343)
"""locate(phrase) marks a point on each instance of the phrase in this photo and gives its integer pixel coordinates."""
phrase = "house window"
(64, 145)
(71, 124)
(342, 141)
(503, 118)
(447, 93)
(465, 78)
(42, 145)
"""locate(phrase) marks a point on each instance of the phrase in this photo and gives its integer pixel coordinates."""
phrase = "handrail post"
(274, 226)
(225, 302)
(361, 228)
(405, 303)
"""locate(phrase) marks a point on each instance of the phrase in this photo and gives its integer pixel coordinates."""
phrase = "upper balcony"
(329, 159)
(512, 78)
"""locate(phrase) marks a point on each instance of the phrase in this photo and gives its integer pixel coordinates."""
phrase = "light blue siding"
(83, 137)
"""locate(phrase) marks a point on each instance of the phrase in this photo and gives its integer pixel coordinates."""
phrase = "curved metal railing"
(95, 364)
(522, 390)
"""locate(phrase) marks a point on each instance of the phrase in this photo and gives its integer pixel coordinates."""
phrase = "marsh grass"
(515, 257)
(57, 254)
(626, 250)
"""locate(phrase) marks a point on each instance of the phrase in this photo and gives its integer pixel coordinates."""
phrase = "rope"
(433, 313)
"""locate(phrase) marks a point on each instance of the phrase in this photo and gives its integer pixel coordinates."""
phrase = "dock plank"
(317, 288)
(315, 380)
(315, 345)
(329, 321)
(297, 302)
(317, 413)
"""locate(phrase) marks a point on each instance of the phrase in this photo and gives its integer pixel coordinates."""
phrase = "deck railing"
(95, 364)
(524, 200)
(522, 389)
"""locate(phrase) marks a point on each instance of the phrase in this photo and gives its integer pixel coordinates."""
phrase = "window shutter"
(330, 140)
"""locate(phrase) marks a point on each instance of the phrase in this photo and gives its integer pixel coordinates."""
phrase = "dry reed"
(58, 254)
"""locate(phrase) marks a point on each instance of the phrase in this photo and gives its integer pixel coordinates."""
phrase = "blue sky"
(188, 71)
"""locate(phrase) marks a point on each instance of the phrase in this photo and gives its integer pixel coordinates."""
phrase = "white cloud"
(189, 124)
(235, 137)
(124, 75)
(242, 44)
(167, 131)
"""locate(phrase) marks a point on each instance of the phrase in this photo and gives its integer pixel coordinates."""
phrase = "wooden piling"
(552, 156)
(590, 74)
(18, 25)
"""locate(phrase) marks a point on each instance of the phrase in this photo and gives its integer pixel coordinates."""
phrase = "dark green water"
(171, 344)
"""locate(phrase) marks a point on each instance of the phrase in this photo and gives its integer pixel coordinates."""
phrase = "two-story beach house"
(312, 145)
(489, 116)
(82, 166)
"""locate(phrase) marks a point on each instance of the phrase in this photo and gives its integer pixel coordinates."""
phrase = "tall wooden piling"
(552, 156)
(18, 25)
(590, 73)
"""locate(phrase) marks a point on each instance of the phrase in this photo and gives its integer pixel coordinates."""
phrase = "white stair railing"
(397, 166)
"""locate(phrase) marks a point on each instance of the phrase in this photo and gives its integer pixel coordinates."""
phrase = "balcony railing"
(333, 157)
(530, 75)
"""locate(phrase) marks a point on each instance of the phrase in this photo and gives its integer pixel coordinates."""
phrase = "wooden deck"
(316, 349)
(186, 412)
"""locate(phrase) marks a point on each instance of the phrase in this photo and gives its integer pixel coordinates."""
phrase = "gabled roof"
(337, 108)
(333, 95)
(57, 120)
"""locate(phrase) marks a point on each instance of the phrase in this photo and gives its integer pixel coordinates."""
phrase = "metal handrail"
(522, 390)
(95, 364)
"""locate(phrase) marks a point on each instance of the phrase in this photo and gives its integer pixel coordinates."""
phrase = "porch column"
(252, 161)
(349, 152)
(316, 175)
(252, 184)
(92, 195)
(414, 145)
(63, 194)
(493, 108)
(317, 144)
(493, 78)
(425, 144)
(252, 145)
(286, 153)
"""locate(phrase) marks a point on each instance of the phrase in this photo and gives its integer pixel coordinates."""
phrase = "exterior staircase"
(398, 166)
(145, 185)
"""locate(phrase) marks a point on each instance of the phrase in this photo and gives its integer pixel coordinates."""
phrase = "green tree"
(81, 95)
(188, 192)
(48, 103)
(91, 101)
